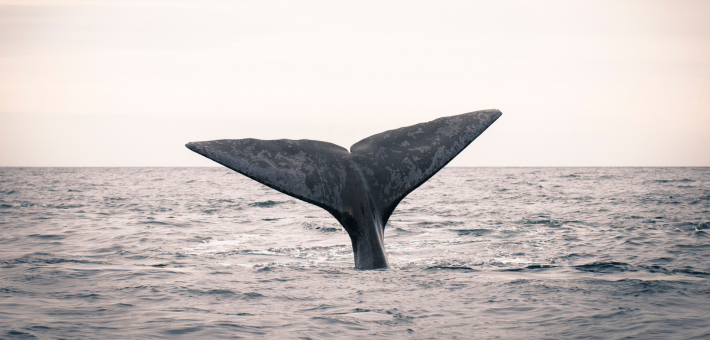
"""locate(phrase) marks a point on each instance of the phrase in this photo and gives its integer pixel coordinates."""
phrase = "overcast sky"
(580, 83)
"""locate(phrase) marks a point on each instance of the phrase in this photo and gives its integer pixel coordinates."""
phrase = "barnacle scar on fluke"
(360, 188)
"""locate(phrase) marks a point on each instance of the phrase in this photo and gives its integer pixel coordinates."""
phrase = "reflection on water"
(476, 252)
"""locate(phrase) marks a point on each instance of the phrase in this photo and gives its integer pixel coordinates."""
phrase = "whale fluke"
(360, 188)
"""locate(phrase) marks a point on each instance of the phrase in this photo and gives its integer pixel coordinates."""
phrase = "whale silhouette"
(360, 188)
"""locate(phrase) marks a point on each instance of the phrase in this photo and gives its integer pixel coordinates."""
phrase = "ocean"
(476, 253)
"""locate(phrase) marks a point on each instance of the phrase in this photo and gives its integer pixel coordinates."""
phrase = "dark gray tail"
(360, 188)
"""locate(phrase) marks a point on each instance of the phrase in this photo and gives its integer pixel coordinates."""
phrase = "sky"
(580, 83)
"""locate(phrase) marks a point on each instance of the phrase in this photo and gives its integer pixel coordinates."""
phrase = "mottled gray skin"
(360, 188)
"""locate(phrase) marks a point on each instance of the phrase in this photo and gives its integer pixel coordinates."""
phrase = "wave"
(266, 204)
(44, 258)
(48, 236)
(472, 232)
(322, 227)
(530, 267)
(683, 180)
(218, 292)
(155, 222)
(545, 221)
(618, 267)
(439, 223)
(604, 267)
(443, 267)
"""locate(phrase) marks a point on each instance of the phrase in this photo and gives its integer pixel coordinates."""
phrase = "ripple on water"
(496, 252)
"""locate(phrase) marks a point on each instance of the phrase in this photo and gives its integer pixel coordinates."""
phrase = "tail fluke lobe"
(311, 171)
(398, 161)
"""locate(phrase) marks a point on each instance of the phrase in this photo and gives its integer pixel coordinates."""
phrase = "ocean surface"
(489, 253)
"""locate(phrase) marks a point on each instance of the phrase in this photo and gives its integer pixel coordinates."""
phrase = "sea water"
(508, 253)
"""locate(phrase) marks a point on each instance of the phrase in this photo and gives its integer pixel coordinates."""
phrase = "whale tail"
(360, 188)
